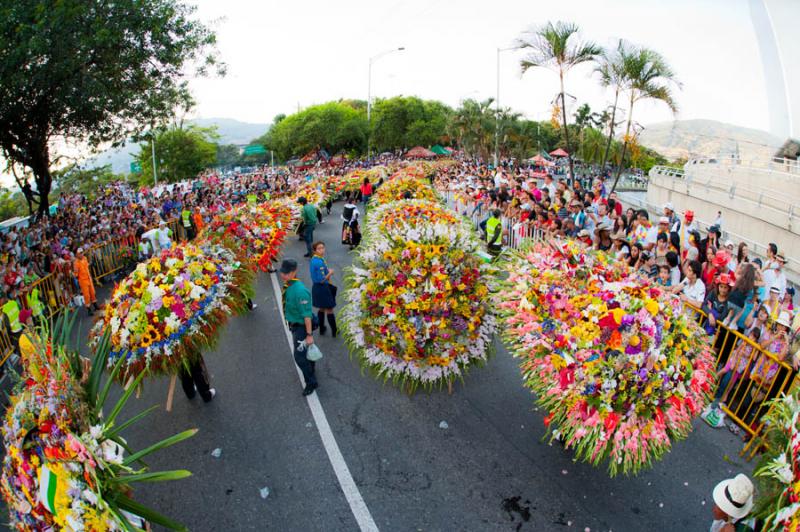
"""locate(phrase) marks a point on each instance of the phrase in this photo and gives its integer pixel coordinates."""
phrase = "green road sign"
(255, 149)
(136, 167)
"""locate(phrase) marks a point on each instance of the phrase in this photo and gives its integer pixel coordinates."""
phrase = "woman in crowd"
(323, 292)
(691, 289)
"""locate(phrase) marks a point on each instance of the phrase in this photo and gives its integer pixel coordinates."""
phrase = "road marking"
(348, 485)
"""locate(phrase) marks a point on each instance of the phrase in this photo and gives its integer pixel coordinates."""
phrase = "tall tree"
(611, 67)
(473, 127)
(181, 153)
(557, 46)
(649, 77)
(91, 72)
(334, 126)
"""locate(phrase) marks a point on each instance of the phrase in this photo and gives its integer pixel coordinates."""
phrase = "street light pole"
(153, 146)
(369, 94)
(497, 109)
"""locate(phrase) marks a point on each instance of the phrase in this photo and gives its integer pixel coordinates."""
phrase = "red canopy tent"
(559, 153)
(541, 161)
(419, 153)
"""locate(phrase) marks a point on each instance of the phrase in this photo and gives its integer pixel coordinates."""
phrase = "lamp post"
(369, 94)
(497, 108)
(153, 147)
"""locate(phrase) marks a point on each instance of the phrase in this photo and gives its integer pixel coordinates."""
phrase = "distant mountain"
(708, 138)
(230, 131)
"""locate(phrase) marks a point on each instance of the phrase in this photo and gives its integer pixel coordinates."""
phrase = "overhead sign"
(136, 167)
(255, 149)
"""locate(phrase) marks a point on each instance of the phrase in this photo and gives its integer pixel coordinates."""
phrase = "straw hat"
(620, 235)
(784, 319)
(734, 496)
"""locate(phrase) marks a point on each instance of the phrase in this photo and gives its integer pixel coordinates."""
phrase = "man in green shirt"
(309, 216)
(298, 313)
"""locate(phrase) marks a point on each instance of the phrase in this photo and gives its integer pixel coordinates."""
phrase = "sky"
(282, 56)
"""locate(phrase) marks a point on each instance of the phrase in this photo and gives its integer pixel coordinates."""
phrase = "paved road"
(489, 470)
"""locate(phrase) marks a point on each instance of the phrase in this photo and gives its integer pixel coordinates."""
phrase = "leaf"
(116, 430)
(125, 396)
(152, 516)
(172, 440)
(155, 476)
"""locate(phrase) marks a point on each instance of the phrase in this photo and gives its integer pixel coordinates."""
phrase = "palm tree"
(648, 77)
(611, 67)
(473, 126)
(557, 46)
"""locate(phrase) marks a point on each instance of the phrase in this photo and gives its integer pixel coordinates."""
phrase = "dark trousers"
(305, 365)
(196, 377)
(308, 236)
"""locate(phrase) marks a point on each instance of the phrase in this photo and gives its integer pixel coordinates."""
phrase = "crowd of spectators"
(722, 278)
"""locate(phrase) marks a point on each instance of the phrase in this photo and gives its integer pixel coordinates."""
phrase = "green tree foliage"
(473, 126)
(181, 153)
(75, 179)
(408, 121)
(12, 204)
(333, 126)
(93, 72)
(228, 155)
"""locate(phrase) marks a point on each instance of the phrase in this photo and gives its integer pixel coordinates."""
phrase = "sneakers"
(255, 306)
(309, 389)
(213, 393)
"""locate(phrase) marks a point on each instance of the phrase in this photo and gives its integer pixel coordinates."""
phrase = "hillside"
(230, 131)
(698, 138)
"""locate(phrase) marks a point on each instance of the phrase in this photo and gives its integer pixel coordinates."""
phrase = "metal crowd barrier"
(744, 396)
(58, 289)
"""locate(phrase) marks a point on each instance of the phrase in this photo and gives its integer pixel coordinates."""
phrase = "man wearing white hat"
(674, 219)
(733, 500)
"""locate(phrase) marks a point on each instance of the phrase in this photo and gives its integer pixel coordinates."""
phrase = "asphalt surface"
(490, 469)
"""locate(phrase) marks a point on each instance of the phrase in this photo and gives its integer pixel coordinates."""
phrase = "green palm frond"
(555, 45)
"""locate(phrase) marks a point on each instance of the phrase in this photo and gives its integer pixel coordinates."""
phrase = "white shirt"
(674, 276)
(695, 292)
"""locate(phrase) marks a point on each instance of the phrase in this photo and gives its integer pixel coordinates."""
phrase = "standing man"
(85, 281)
(298, 313)
(494, 233)
(309, 216)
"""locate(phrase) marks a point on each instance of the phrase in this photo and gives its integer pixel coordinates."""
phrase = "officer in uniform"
(494, 233)
(298, 313)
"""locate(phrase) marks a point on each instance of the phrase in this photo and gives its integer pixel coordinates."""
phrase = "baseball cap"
(288, 266)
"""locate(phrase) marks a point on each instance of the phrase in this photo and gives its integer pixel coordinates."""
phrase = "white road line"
(348, 485)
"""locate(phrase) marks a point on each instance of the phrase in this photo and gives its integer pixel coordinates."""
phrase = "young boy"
(664, 275)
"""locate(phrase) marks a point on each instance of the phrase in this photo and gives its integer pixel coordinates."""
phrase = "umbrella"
(559, 153)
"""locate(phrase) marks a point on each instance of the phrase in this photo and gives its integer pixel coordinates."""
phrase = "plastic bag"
(313, 353)
(714, 416)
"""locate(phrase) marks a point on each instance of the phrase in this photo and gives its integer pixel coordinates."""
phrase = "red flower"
(566, 377)
(611, 421)
(547, 420)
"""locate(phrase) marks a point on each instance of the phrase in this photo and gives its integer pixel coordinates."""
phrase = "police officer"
(494, 233)
(298, 313)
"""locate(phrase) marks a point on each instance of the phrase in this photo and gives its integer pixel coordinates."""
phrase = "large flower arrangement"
(619, 367)
(417, 311)
(172, 306)
(64, 465)
(402, 184)
(258, 230)
(778, 503)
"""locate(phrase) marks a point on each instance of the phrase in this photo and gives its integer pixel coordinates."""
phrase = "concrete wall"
(757, 204)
